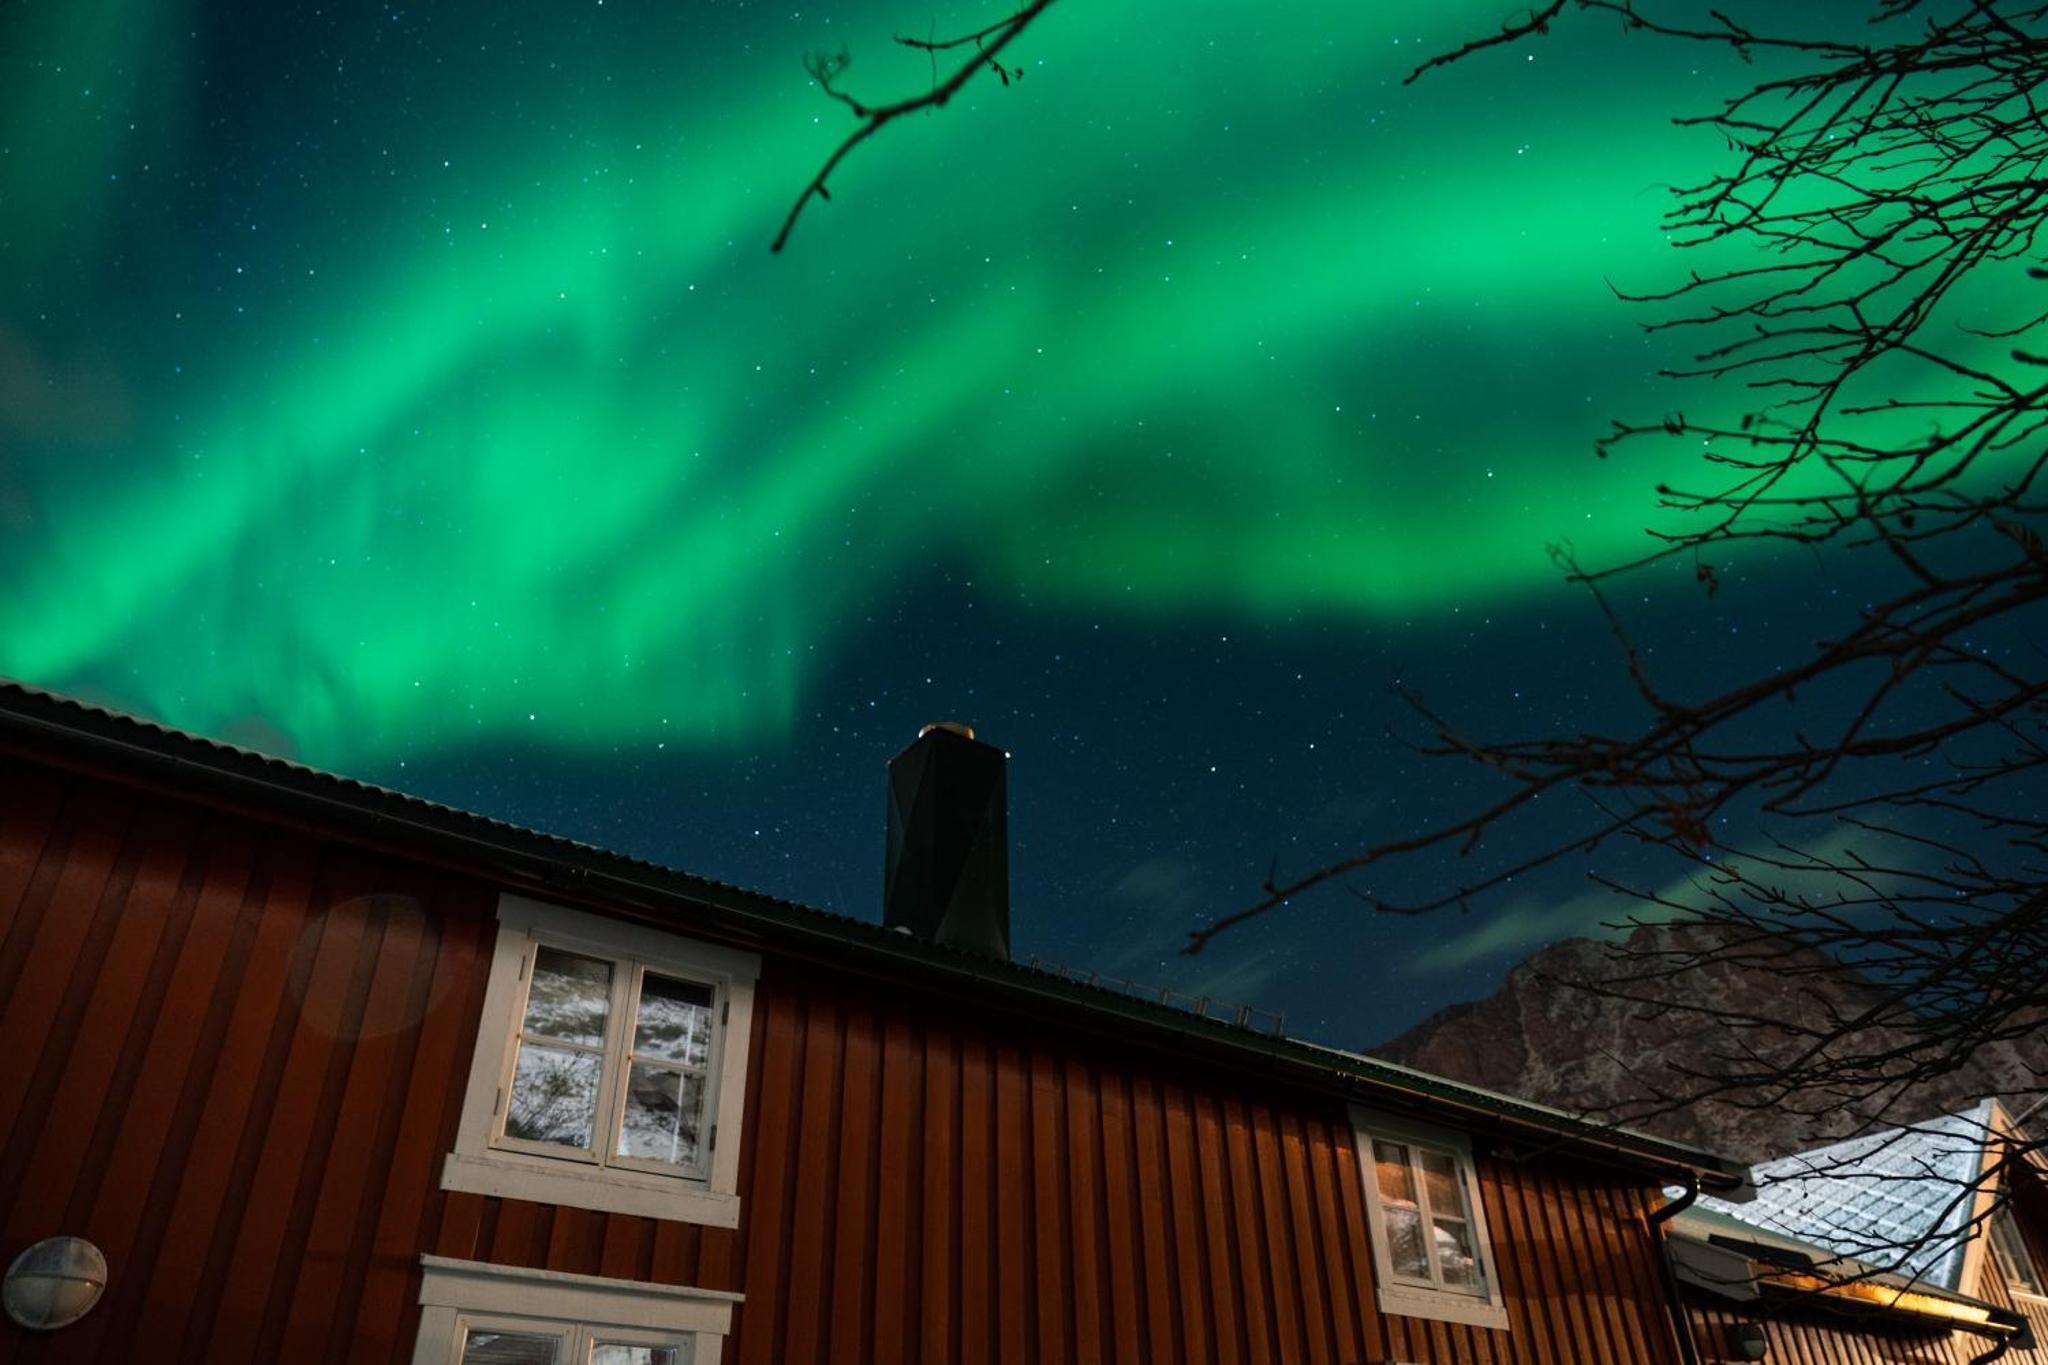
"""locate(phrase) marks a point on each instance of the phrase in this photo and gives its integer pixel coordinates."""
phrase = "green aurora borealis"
(407, 378)
(410, 390)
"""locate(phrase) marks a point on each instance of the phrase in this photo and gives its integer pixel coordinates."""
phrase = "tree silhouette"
(983, 49)
(1865, 823)
(1863, 328)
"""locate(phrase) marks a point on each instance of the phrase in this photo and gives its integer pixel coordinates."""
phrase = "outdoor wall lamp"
(54, 1283)
(1750, 1341)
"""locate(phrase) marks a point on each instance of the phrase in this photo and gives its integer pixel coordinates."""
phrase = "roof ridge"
(535, 858)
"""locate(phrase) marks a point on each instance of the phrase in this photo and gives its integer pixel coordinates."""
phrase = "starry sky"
(410, 390)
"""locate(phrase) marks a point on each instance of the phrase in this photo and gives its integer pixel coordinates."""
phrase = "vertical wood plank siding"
(1798, 1330)
(229, 1063)
(236, 1054)
(944, 1193)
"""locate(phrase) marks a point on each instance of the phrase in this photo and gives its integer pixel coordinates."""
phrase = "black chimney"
(947, 876)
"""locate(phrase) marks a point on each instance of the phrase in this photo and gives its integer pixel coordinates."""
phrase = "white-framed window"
(610, 1068)
(2009, 1249)
(1431, 1254)
(475, 1313)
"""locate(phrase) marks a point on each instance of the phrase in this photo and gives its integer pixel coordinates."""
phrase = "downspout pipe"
(1681, 1323)
(2004, 1345)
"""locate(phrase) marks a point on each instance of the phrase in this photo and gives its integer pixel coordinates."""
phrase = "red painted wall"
(244, 1053)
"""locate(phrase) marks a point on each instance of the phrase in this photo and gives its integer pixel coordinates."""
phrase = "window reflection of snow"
(570, 999)
(561, 1061)
(1427, 1220)
(554, 1095)
(675, 1020)
(664, 1114)
(1404, 1235)
(510, 1348)
(1454, 1252)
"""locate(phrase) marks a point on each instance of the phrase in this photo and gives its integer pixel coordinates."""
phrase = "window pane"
(570, 998)
(619, 1353)
(1454, 1253)
(1404, 1241)
(1397, 1181)
(554, 1095)
(1440, 1178)
(664, 1113)
(675, 1020)
(2012, 1248)
(509, 1348)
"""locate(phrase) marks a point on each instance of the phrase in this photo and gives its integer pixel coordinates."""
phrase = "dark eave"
(1807, 1273)
(62, 730)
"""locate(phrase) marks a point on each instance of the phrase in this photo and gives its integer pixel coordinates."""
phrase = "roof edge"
(1845, 1279)
(532, 860)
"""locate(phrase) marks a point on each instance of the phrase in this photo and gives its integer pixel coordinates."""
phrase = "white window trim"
(456, 1295)
(1403, 1298)
(481, 1165)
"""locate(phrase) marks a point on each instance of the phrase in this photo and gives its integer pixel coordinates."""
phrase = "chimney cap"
(958, 727)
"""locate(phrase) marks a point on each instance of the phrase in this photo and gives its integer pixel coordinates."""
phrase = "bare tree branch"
(1866, 824)
(988, 44)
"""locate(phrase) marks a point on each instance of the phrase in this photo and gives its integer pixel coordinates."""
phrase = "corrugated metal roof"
(1898, 1199)
(572, 868)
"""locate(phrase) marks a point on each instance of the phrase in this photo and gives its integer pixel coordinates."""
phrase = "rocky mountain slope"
(1541, 1039)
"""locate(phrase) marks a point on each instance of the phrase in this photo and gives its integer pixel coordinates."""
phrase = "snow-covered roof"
(1896, 1199)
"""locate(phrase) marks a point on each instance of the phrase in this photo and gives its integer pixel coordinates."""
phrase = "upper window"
(2010, 1249)
(609, 1058)
(612, 1062)
(1428, 1229)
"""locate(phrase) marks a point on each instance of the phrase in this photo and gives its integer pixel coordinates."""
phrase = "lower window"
(476, 1313)
(532, 1341)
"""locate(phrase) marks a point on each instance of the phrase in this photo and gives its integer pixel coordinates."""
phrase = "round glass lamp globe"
(54, 1283)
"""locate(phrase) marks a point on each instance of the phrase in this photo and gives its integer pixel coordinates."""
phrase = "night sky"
(410, 391)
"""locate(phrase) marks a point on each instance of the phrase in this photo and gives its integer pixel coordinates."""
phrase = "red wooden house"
(326, 1073)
